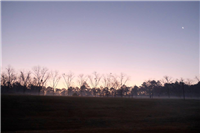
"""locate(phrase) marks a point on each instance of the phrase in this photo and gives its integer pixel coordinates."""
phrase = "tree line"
(96, 84)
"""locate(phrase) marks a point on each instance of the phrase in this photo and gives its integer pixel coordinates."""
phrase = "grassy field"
(86, 114)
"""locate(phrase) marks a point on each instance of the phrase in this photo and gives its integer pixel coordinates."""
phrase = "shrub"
(75, 95)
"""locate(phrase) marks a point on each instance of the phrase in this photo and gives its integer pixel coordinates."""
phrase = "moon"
(183, 28)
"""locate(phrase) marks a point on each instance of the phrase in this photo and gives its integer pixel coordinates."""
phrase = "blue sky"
(144, 40)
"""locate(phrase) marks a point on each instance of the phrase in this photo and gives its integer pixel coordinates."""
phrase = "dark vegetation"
(40, 81)
(28, 113)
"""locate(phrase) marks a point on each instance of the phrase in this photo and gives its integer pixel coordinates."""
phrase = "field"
(51, 114)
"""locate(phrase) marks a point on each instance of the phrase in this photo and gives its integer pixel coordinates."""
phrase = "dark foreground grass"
(86, 114)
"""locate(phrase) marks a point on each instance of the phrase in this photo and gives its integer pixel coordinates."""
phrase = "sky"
(145, 40)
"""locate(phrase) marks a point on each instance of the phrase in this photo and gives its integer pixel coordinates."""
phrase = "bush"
(75, 95)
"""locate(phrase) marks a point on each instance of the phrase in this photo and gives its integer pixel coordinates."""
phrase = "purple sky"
(144, 40)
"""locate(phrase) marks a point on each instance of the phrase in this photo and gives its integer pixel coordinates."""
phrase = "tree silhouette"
(167, 83)
(41, 76)
(55, 78)
(24, 79)
(134, 91)
(94, 79)
(111, 85)
(68, 80)
(11, 77)
(182, 87)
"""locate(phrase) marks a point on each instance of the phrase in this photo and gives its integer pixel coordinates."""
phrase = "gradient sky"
(144, 40)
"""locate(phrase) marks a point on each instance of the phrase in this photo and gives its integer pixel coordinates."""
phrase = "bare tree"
(11, 77)
(41, 75)
(4, 79)
(107, 80)
(82, 82)
(167, 83)
(167, 79)
(54, 79)
(24, 79)
(94, 81)
(123, 79)
(183, 87)
(68, 80)
(115, 83)
(189, 82)
(197, 78)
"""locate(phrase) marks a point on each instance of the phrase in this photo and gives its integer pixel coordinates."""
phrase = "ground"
(91, 114)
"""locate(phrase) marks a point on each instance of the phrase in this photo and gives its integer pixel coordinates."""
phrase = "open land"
(60, 114)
